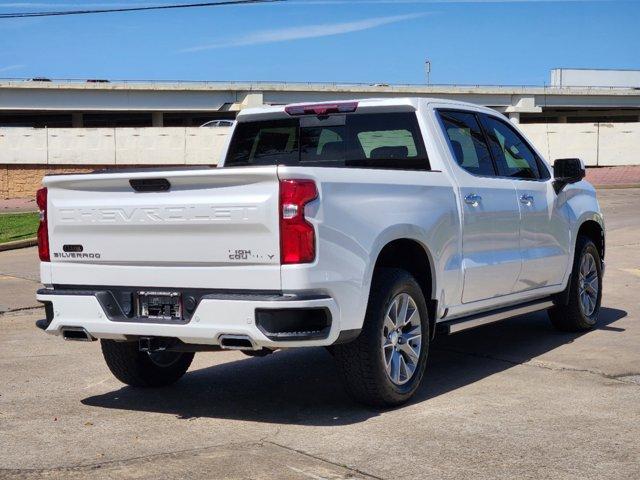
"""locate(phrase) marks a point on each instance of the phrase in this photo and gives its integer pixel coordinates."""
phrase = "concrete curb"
(29, 242)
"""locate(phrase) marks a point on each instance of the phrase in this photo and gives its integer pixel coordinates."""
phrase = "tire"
(140, 369)
(363, 362)
(575, 316)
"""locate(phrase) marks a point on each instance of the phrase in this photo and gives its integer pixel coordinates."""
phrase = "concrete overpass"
(68, 103)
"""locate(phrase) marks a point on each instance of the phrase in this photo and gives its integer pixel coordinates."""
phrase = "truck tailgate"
(213, 228)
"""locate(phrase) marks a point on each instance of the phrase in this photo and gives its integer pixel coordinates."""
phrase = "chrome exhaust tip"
(76, 334)
(236, 342)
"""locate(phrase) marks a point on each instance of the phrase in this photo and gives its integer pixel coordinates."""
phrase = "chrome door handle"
(473, 199)
(526, 200)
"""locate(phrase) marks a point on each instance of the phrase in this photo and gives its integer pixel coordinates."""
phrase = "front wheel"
(384, 366)
(141, 369)
(584, 291)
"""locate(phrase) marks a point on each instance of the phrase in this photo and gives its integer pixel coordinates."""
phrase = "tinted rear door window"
(386, 140)
(467, 142)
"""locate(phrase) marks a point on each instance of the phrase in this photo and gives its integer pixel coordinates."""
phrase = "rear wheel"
(141, 369)
(584, 291)
(385, 364)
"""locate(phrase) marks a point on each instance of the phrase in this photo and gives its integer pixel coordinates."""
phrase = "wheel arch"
(592, 227)
(595, 232)
(413, 256)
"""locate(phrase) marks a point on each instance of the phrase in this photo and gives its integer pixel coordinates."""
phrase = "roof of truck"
(407, 102)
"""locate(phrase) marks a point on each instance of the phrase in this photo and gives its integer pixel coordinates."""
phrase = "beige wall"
(598, 144)
(112, 146)
(619, 144)
(23, 180)
(23, 145)
(77, 146)
(27, 154)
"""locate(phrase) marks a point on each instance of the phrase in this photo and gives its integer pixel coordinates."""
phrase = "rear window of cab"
(365, 140)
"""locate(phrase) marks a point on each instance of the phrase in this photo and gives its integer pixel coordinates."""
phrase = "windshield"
(375, 140)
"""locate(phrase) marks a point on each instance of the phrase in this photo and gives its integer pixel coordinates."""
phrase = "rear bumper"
(216, 314)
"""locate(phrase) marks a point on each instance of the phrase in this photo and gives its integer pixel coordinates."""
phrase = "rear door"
(544, 232)
(490, 214)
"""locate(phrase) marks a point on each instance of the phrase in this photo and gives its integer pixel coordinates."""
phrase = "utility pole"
(427, 69)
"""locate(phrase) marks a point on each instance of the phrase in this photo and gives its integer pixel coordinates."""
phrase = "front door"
(490, 212)
(544, 232)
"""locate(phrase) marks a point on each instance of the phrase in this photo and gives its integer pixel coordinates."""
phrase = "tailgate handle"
(150, 184)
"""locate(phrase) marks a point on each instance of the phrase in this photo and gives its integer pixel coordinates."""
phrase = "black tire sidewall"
(135, 368)
(586, 246)
(395, 282)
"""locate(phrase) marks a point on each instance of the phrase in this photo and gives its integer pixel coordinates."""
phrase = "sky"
(501, 42)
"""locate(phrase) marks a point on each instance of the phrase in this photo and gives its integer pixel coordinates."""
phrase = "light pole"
(427, 69)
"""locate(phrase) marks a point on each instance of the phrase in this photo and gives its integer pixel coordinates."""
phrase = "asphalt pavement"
(513, 400)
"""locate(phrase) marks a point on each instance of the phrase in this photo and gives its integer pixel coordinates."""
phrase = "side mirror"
(566, 171)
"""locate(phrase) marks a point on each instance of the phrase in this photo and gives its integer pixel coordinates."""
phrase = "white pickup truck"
(365, 226)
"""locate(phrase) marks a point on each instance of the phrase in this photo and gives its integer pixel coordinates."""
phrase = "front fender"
(581, 206)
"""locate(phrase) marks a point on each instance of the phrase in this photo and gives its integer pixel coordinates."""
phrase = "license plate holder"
(159, 305)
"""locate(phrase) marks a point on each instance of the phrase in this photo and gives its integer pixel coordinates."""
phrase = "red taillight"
(321, 108)
(43, 229)
(297, 236)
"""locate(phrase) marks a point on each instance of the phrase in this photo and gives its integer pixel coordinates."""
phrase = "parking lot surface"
(510, 400)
